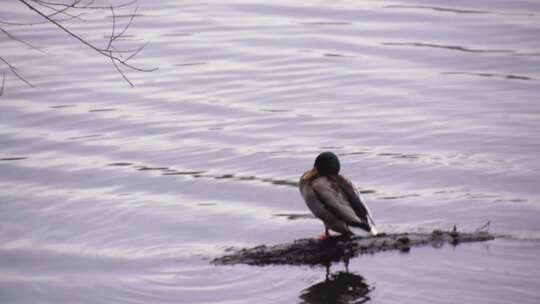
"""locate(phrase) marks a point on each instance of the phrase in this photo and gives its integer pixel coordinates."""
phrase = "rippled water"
(116, 194)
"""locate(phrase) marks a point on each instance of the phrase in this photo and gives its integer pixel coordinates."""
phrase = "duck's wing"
(357, 203)
(329, 216)
(337, 198)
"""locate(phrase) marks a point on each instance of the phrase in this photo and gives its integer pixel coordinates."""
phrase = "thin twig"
(63, 28)
(111, 39)
(136, 52)
(88, 6)
(127, 51)
(3, 83)
(4, 22)
(124, 63)
(13, 37)
(127, 25)
(120, 71)
(15, 72)
(63, 11)
(49, 7)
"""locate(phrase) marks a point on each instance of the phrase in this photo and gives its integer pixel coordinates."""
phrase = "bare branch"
(88, 5)
(134, 53)
(3, 83)
(64, 12)
(127, 25)
(13, 37)
(110, 51)
(128, 51)
(15, 72)
(51, 12)
(111, 39)
(4, 22)
(62, 27)
(120, 71)
(124, 63)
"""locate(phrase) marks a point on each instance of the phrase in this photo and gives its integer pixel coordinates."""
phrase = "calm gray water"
(112, 194)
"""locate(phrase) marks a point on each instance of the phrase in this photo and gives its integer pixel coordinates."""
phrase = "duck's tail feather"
(362, 229)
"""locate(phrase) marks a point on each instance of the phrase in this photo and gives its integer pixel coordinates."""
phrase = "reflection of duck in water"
(334, 199)
(340, 287)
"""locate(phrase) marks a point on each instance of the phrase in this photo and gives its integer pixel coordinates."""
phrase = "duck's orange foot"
(323, 236)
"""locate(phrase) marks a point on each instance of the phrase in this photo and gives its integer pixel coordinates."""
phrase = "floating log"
(336, 248)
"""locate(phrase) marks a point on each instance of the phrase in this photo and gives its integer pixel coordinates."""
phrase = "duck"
(334, 199)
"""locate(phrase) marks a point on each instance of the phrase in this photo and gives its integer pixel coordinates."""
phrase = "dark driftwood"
(312, 252)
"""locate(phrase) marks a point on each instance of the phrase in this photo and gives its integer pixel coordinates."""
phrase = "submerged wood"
(313, 252)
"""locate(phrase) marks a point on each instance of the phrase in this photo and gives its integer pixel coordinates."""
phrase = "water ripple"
(130, 191)
(448, 47)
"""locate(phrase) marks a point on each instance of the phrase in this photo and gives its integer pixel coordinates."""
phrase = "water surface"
(119, 194)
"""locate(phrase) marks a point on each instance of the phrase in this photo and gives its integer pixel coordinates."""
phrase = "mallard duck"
(334, 199)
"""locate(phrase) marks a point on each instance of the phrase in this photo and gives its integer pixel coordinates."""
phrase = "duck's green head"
(327, 163)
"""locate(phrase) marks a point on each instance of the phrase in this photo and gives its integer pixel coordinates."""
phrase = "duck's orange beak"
(310, 174)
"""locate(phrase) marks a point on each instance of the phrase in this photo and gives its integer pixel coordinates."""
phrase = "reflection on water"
(448, 47)
(516, 77)
(340, 287)
(453, 10)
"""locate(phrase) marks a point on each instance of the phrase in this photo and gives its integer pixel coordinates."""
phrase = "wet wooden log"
(313, 252)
